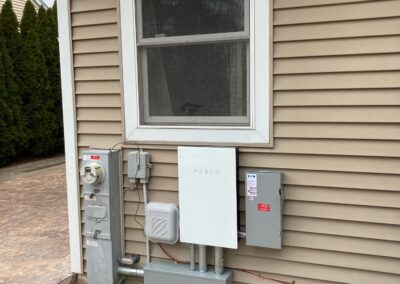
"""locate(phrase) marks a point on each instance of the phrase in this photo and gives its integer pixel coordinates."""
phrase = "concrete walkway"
(33, 224)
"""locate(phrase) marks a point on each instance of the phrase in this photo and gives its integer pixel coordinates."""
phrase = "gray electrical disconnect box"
(264, 209)
(102, 211)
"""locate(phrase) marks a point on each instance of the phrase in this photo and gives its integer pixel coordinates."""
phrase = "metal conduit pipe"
(129, 260)
(148, 247)
(131, 271)
(219, 261)
(242, 235)
(192, 257)
(202, 258)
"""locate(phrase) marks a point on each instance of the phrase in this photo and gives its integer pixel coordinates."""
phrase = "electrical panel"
(208, 196)
(264, 209)
(162, 222)
(101, 189)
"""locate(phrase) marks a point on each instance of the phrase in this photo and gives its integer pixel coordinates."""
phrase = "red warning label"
(95, 157)
(264, 207)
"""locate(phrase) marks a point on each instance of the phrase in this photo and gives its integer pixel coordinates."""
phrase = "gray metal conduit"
(145, 201)
(219, 261)
(131, 271)
(202, 258)
(242, 235)
(193, 257)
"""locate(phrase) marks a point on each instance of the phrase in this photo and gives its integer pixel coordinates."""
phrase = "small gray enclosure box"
(169, 273)
(138, 165)
(162, 222)
(264, 209)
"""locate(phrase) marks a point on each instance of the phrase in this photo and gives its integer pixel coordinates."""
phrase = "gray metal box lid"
(97, 213)
(264, 209)
(169, 273)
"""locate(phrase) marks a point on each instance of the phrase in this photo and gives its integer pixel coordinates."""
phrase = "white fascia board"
(70, 139)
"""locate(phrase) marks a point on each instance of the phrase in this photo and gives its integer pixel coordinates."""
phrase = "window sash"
(189, 39)
(198, 120)
(194, 39)
(143, 43)
(218, 121)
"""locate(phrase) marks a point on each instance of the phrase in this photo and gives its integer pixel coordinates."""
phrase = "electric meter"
(92, 173)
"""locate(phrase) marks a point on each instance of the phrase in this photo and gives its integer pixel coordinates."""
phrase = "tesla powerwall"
(207, 196)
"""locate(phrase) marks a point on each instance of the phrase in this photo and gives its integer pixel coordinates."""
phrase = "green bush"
(54, 69)
(28, 20)
(9, 29)
(33, 82)
(47, 32)
(30, 84)
(14, 140)
(7, 148)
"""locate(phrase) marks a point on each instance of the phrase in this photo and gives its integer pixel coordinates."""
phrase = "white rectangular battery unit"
(208, 196)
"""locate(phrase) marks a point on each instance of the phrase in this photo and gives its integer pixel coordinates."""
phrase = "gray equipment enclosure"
(169, 273)
(264, 209)
(103, 218)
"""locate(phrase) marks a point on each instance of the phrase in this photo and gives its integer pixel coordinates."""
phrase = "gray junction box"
(103, 217)
(264, 209)
(170, 273)
(138, 165)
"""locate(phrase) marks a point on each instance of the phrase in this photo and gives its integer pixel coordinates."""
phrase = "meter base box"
(103, 218)
(264, 209)
(169, 273)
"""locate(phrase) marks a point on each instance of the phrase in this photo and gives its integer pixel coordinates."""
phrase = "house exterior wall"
(336, 115)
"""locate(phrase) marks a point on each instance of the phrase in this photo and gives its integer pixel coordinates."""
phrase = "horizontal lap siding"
(336, 138)
(335, 47)
(95, 48)
(283, 4)
(336, 108)
(97, 74)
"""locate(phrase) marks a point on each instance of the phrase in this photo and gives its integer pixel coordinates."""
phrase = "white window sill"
(200, 136)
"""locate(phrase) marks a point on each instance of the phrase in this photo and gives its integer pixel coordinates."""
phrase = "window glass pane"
(164, 18)
(198, 80)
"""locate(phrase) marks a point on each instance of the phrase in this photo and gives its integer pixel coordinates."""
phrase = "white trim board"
(71, 149)
(258, 133)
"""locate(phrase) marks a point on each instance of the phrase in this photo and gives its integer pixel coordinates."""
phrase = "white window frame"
(259, 130)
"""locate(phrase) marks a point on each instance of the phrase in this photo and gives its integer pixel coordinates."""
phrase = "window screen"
(194, 62)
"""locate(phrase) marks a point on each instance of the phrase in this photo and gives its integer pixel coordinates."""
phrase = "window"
(193, 58)
(196, 70)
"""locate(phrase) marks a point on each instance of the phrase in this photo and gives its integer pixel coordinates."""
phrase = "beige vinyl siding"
(95, 52)
(336, 138)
